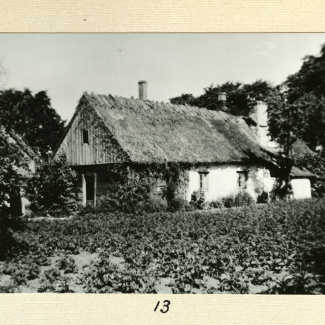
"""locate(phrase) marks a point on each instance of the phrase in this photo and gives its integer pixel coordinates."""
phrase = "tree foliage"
(309, 79)
(306, 88)
(241, 98)
(12, 159)
(286, 126)
(52, 188)
(31, 116)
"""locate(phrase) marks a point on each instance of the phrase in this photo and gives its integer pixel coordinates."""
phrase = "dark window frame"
(85, 136)
(204, 181)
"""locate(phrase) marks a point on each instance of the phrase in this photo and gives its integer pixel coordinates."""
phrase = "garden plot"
(276, 248)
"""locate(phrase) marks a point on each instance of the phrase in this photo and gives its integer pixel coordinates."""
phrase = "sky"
(66, 65)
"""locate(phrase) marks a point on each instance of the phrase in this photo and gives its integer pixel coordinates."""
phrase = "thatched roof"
(149, 131)
(301, 172)
(24, 146)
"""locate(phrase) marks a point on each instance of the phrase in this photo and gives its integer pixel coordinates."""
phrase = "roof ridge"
(151, 104)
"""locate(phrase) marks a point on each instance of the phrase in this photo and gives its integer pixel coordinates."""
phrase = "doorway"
(89, 189)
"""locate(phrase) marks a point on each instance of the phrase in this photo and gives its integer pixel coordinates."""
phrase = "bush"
(106, 203)
(51, 190)
(216, 204)
(153, 204)
(229, 201)
(198, 200)
(263, 198)
(9, 243)
(67, 264)
(243, 199)
(177, 204)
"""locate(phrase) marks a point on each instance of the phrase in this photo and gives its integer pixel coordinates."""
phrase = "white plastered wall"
(301, 188)
(223, 181)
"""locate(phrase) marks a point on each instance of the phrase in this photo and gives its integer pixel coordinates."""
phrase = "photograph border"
(157, 16)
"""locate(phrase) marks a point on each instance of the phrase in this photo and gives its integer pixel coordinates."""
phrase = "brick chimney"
(143, 91)
(223, 98)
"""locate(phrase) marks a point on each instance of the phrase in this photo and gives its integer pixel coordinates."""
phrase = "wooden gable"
(87, 140)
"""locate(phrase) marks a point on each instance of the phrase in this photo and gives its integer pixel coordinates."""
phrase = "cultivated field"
(277, 248)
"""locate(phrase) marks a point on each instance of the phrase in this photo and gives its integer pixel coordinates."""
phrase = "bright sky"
(66, 65)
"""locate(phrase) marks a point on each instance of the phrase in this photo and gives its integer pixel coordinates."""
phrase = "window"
(242, 180)
(204, 185)
(161, 185)
(85, 137)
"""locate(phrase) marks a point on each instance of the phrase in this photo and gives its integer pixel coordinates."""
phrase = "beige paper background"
(161, 16)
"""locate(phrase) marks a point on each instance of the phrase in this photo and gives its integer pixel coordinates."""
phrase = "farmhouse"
(225, 153)
(18, 203)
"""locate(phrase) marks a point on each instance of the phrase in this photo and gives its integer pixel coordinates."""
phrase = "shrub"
(243, 199)
(153, 204)
(9, 243)
(216, 204)
(176, 177)
(53, 281)
(22, 271)
(67, 264)
(229, 201)
(102, 276)
(177, 204)
(263, 198)
(51, 190)
(148, 205)
(198, 200)
(10, 288)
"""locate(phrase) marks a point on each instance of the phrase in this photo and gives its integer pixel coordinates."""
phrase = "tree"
(313, 111)
(32, 117)
(52, 188)
(11, 161)
(309, 79)
(307, 87)
(286, 126)
(241, 98)
(184, 99)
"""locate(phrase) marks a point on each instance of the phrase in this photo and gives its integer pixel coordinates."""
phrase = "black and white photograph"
(162, 163)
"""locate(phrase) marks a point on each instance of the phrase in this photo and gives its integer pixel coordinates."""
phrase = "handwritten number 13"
(166, 305)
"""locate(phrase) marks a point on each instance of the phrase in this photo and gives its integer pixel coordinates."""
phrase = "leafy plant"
(247, 250)
(67, 264)
(198, 200)
(52, 188)
(243, 198)
(216, 204)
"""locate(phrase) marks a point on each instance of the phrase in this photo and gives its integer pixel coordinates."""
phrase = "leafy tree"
(32, 117)
(309, 79)
(184, 99)
(313, 111)
(307, 87)
(286, 126)
(11, 160)
(241, 98)
(51, 190)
